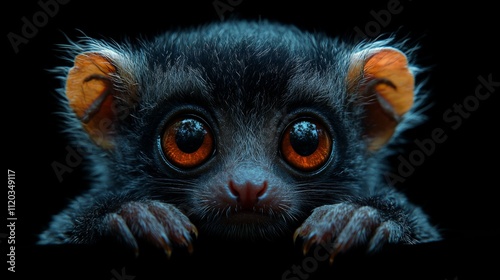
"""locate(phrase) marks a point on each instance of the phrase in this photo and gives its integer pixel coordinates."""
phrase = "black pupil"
(304, 138)
(190, 135)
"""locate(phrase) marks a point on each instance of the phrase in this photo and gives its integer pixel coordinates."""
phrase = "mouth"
(246, 217)
(246, 224)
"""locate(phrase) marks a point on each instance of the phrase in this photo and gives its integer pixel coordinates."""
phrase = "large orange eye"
(187, 142)
(306, 145)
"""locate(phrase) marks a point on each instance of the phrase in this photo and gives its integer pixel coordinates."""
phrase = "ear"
(383, 77)
(91, 89)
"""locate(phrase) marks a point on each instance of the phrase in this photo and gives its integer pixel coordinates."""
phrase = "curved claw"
(295, 235)
(312, 239)
(165, 245)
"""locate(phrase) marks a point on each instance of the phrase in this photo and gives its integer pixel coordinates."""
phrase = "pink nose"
(247, 194)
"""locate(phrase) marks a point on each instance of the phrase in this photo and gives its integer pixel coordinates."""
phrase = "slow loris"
(241, 129)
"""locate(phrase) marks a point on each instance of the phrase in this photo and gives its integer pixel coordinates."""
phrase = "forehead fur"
(242, 67)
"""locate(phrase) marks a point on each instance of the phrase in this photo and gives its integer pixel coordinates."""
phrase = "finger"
(119, 228)
(145, 225)
(176, 224)
(358, 229)
(388, 231)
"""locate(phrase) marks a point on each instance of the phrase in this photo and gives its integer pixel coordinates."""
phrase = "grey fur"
(248, 77)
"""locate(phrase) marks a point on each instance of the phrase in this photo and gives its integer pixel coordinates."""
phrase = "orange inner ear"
(393, 98)
(89, 91)
(392, 65)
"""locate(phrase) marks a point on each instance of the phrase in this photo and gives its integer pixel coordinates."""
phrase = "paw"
(344, 226)
(160, 224)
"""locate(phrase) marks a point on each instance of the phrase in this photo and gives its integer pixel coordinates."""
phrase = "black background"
(455, 184)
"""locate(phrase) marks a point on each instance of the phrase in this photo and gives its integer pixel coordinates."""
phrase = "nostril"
(247, 194)
(262, 190)
(234, 189)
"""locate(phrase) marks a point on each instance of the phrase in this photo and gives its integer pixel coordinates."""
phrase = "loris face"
(248, 160)
(246, 138)
(246, 130)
